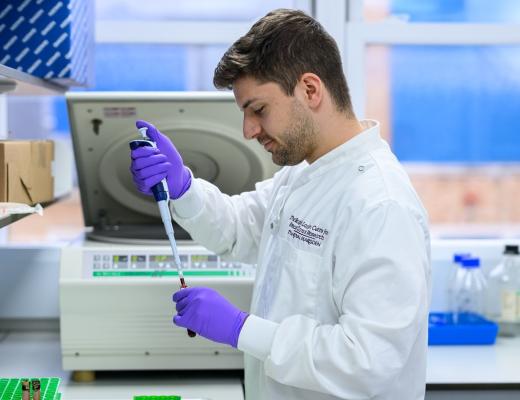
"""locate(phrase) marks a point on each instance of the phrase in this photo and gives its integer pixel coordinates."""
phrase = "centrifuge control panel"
(109, 264)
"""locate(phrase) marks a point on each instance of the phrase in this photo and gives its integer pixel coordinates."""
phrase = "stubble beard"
(298, 140)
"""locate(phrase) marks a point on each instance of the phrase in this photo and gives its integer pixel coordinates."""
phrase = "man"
(339, 236)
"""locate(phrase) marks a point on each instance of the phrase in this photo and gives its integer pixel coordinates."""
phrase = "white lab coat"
(342, 290)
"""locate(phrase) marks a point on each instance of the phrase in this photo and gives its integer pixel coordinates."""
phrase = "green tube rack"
(157, 397)
(11, 388)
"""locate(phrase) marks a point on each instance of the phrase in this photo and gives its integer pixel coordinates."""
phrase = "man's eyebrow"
(248, 103)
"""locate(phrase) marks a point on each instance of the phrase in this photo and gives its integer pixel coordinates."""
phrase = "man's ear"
(312, 89)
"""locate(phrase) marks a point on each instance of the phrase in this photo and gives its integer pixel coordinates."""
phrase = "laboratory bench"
(474, 372)
(37, 354)
(454, 372)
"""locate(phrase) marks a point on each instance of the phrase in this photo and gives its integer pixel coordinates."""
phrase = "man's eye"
(259, 110)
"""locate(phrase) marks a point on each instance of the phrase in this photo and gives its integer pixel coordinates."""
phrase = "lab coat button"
(361, 168)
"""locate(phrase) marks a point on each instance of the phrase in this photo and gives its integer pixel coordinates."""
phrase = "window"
(448, 104)
(442, 10)
(442, 77)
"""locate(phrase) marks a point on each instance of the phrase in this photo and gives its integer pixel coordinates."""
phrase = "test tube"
(26, 390)
(36, 389)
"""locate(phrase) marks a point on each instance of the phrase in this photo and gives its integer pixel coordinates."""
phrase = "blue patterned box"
(49, 39)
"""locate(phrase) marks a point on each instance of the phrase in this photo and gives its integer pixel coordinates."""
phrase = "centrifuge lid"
(206, 128)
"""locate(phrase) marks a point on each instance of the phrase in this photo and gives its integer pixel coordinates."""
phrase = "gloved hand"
(150, 166)
(208, 313)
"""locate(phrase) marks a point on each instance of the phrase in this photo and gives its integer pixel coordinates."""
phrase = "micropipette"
(162, 197)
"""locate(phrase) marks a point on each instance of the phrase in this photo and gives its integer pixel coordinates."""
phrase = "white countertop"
(38, 354)
(496, 364)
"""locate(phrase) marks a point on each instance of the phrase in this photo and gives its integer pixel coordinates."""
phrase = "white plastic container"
(451, 278)
(469, 291)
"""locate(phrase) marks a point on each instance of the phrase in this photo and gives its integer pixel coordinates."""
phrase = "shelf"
(11, 219)
(27, 83)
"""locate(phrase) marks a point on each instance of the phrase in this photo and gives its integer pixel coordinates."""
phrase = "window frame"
(358, 34)
(207, 32)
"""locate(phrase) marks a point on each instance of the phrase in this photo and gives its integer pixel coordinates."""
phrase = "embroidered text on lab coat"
(311, 234)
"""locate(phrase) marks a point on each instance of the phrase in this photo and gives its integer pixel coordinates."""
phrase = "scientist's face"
(279, 122)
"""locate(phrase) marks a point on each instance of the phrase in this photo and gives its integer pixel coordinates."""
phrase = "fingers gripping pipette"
(162, 197)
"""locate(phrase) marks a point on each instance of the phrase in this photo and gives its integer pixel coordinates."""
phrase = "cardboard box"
(26, 171)
(49, 39)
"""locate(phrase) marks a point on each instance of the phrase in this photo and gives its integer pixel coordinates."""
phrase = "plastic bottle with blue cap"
(451, 277)
(469, 292)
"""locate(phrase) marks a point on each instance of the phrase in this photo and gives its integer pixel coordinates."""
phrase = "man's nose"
(251, 128)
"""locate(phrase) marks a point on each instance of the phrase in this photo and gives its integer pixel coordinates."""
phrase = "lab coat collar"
(363, 142)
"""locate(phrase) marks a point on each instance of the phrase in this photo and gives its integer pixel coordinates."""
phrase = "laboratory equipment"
(442, 330)
(20, 388)
(117, 280)
(19, 208)
(452, 276)
(157, 397)
(162, 197)
(469, 291)
(208, 134)
(503, 293)
(116, 306)
(448, 327)
(35, 389)
(26, 390)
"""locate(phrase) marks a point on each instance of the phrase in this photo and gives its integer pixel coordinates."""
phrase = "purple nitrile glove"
(150, 166)
(208, 313)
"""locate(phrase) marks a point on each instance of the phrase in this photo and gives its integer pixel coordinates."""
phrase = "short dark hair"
(281, 47)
